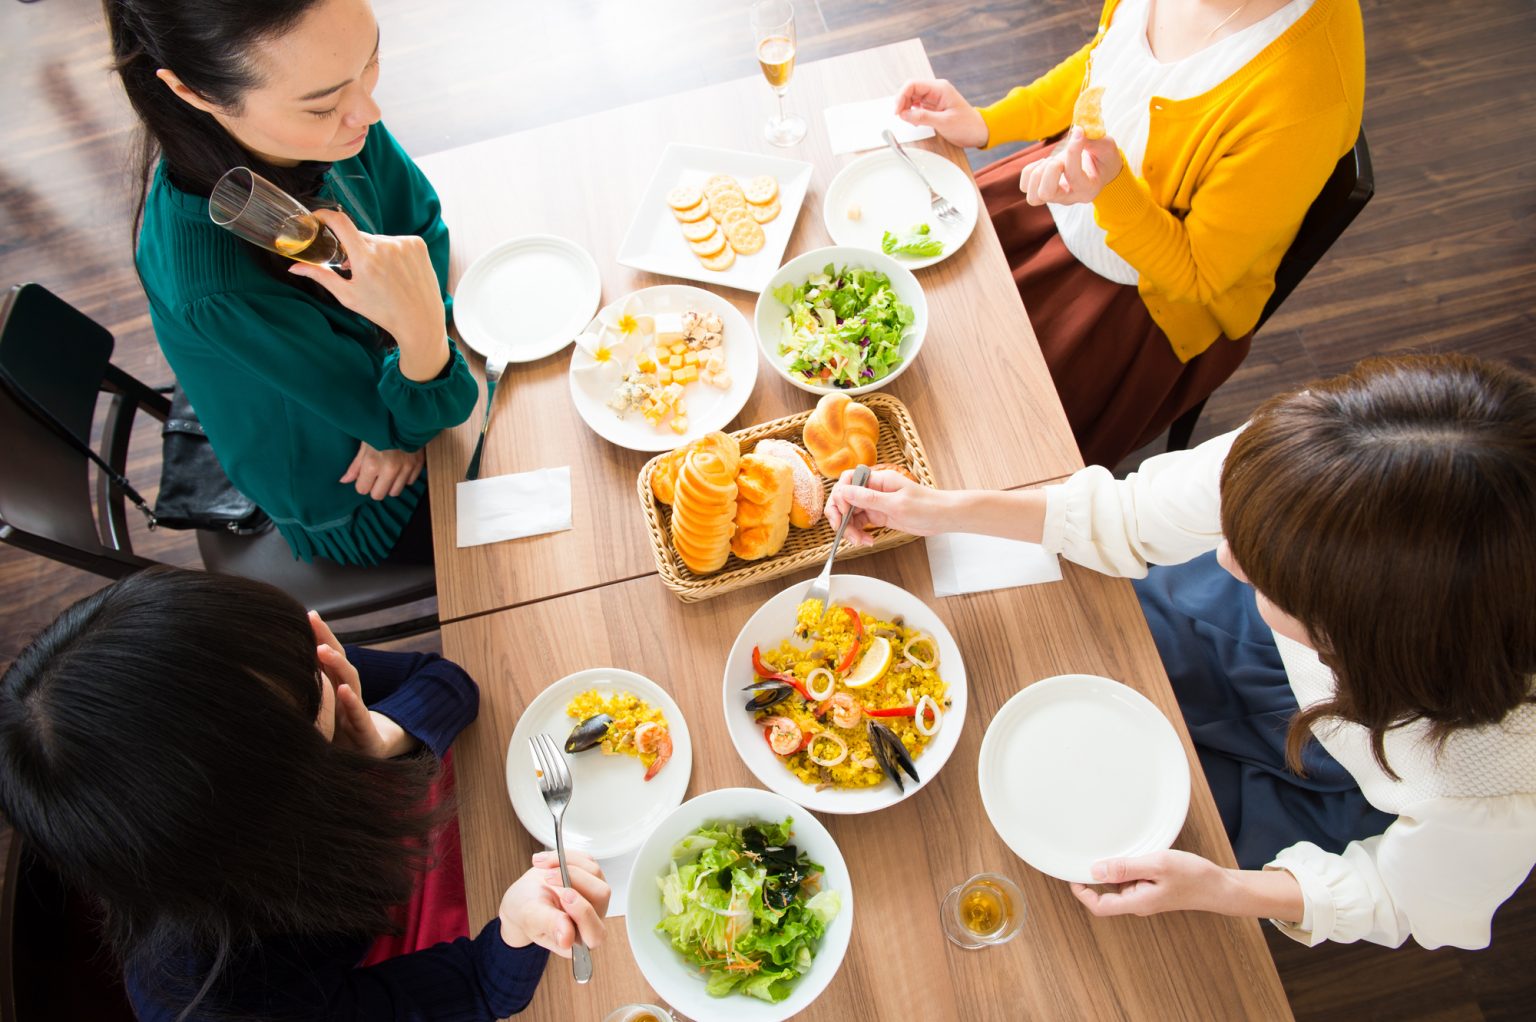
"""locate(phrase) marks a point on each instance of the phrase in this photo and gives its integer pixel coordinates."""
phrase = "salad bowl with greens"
(841, 319)
(739, 907)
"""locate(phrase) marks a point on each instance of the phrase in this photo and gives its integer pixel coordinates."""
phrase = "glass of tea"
(987, 909)
(639, 1013)
(260, 212)
(773, 29)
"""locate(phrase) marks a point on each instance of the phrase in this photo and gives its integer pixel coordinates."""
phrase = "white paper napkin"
(513, 506)
(854, 127)
(963, 562)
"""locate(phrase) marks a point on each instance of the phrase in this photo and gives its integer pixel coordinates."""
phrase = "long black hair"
(158, 747)
(207, 44)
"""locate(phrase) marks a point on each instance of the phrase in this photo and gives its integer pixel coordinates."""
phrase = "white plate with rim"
(655, 239)
(709, 408)
(891, 198)
(1078, 768)
(772, 624)
(612, 806)
(674, 979)
(768, 317)
(527, 298)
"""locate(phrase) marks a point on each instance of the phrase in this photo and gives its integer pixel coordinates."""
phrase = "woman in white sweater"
(1378, 535)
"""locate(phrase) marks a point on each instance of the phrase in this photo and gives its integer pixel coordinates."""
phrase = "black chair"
(61, 358)
(1344, 195)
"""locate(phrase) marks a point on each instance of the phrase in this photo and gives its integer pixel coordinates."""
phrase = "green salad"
(918, 242)
(844, 327)
(745, 907)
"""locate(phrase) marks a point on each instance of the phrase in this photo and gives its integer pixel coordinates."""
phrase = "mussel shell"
(891, 754)
(588, 733)
(767, 693)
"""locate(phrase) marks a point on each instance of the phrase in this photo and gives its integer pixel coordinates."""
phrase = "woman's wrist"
(1012, 514)
(423, 353)
(1262, 893)
(397, 740)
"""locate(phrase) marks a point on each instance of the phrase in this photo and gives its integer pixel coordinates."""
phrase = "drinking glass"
(260, 212)
(773, 29)
(639, 1013)
(987, 909)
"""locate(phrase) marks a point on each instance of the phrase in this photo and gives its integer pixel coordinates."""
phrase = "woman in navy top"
(192, 751)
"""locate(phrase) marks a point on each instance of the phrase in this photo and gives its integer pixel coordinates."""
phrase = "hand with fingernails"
(537, 909)
(1075, 171)
(345, 720)
(380, 474)
(936, 104)
(889, 500)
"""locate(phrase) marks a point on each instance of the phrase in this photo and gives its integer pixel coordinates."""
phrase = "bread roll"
(841, 434)
(704, 508)
(765, 492)
(809, 495)
(901, 469)
(664, 475)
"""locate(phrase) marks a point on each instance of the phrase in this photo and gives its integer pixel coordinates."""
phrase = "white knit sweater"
(1465, 834)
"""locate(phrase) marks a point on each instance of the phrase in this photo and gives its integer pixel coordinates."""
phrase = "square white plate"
(655, 240)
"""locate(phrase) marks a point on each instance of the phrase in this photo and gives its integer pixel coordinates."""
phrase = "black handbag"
(195, 492)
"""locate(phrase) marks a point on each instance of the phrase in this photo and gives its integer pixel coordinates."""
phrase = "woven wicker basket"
(899, 445)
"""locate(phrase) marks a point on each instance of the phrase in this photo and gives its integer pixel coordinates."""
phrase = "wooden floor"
(1443, 259)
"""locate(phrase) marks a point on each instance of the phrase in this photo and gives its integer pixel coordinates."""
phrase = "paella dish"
(849, 699)
(620, 724)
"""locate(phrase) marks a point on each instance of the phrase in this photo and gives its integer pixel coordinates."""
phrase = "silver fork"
(942, 207)
(493, 369)
(821, 585)
(555, 785)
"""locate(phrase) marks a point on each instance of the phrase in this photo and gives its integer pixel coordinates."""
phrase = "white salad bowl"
(669, 974)
(771, 312)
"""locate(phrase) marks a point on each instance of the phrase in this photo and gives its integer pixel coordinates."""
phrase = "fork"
(821, 586)
(942, 207)
(555, 785)
(494, 367)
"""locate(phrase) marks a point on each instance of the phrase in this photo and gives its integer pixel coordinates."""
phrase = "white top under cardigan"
(1465, 834)
(1132, 78)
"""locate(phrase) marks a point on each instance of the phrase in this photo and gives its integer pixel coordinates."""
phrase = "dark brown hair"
(1392, 511)
(158, 747)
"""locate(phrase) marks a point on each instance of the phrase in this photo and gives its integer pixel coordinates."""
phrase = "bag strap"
(47, 418)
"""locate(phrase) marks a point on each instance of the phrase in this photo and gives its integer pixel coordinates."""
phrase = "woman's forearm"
(1264, 893)
(423, 353)
(1012, 514)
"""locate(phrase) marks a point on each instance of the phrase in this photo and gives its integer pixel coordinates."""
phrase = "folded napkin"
(854, 127)
(513, 506)
(965, 563)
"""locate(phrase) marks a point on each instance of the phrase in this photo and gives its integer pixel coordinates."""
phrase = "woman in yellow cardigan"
(1145, 256)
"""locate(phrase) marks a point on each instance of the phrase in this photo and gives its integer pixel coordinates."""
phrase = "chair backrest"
(60, 359)
(1344, 195)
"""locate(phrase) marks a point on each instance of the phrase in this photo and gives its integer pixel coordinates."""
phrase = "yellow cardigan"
(1227, 176)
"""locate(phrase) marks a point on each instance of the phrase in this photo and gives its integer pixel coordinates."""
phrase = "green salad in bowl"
(746, 907)
(841, 319)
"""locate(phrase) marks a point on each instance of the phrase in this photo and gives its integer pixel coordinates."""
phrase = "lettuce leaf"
(917, 242)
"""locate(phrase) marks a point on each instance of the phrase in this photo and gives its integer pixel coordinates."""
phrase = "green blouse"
(286, 385)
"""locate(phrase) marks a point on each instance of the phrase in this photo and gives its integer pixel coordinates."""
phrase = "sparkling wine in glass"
(773, 29)
(987, 909)
(257, 210)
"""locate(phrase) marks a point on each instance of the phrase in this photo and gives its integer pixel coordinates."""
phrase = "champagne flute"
(257, 210)
(773, 29)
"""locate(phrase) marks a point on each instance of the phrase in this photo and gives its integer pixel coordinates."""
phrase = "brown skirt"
(1114, 368)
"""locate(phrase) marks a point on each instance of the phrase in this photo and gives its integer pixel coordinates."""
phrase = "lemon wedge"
(876, 661)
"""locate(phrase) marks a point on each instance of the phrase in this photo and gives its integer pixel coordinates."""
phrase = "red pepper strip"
(895, 711)
(769, 674)
(858, 639)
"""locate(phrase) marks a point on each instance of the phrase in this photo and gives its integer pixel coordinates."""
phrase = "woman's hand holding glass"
(381, 474)
(1075, 171)
(394, 285)
(938, 105)
(538, 910)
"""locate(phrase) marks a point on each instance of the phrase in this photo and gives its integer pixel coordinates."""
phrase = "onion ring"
(906, 650)
(919, 717)
(810, 684)
(810, 750)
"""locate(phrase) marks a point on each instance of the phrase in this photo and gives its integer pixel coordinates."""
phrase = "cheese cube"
(690, 358)
(664, 375)
(687, 374)
(669, 328)
(645, 363)
(680, 424)
(675, 361)
(679, 347)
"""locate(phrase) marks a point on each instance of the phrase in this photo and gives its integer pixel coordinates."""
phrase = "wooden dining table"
(520, 615)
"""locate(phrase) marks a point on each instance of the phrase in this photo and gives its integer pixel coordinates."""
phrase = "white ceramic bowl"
(771, 625)
(771, 312)
(679, 983)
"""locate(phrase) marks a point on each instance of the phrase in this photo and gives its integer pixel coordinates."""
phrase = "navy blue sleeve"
(432, 698)
(459, 981)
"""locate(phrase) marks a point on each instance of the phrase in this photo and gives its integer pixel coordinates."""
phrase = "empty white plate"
(1079, 768)
(889, 197)
(527, 298)
(613, 807)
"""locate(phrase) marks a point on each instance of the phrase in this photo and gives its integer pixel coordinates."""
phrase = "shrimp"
(846, 711)
(654, 740)
(784, 736)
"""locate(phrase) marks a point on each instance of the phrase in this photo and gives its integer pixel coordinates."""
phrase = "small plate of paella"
(629, 753)
(848, 708)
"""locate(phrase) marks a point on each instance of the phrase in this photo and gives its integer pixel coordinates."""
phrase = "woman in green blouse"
(317, 392)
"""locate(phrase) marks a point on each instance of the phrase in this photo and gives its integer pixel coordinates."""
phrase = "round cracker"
(761, 190)
(720, 262)
(746, 236)
(684, 197)
(734, 214)
(689, 216)
(709, 246)
(699, 230)
(763, 214)
(724, 200)
(718, 179)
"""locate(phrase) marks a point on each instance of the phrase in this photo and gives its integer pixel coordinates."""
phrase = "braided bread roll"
(765, 492)
(704, 509)
(841, 434)
(664, 475)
